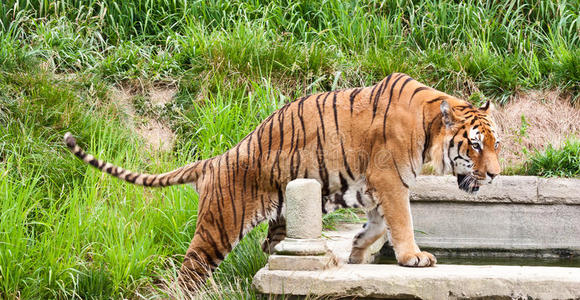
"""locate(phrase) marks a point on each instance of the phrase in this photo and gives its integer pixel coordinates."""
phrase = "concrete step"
(439, 282)
(515, 215)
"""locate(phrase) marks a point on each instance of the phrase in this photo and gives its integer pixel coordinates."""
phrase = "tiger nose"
(491, 175)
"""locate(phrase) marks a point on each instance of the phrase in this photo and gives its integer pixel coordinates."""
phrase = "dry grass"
(533, 120)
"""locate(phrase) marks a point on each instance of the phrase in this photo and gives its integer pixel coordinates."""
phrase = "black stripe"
(422, 88)
(294, 169)
(292, 144)
(352, 96)
(280, 202)
(345, 161)
(321, 117)
(241, 234)
(452, 141)
(152, 178)
(231, 187)
(378, 94)
(335, 112)
(225, 239)
(393, 87)
(324, 101)
(301, 118)
(322, 171)
(281, 118)
(436, 99)
(270, 139)
(207, 260)
(428, 132)
(206, 235)
(373, 90)
(427, 136)
(339, 199)
(131, 180)
(464, 107)
(359, 198)
(95, 163)
(166, 183)
(388, 106)
(263, 206)
(403, 86)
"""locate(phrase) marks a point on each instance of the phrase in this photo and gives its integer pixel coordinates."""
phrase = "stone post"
(303, 248)
(303, 209)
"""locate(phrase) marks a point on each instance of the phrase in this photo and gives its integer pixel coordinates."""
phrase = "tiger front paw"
(418, 259)
(268, 246)
(356, 256)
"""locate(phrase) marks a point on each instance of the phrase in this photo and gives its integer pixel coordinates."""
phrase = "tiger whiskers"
(467, 183)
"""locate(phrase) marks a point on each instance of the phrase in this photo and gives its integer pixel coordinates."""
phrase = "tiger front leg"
(373, 230)
(393, 197)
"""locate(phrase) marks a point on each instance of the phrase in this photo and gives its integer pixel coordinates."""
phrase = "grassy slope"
(67, 231)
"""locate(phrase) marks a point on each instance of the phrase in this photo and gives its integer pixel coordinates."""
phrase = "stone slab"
(439, 282)
(290, 246)
(559, 190)
(496, 226)
(301, 263)
(505, 189)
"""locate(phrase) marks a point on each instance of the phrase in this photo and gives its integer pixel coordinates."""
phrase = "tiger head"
(471, 145)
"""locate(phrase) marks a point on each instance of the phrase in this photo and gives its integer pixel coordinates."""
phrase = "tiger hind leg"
(276, 233)
(197, 266)
(211, 243)
(374, 229)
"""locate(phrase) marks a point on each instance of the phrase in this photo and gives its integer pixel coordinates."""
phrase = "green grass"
(556, 162)
(67, 231)
(498, 48)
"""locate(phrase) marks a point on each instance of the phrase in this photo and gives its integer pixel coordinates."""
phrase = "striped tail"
(185, 174)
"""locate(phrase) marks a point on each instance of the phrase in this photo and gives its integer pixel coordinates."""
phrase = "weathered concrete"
(496, 226)
(559, 190)
(303, 209)
(301, 247)
(439, 282)
(505, 189)
(301, 263)
(513, 213)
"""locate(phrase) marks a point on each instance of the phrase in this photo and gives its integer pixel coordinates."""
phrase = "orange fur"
(365, 146)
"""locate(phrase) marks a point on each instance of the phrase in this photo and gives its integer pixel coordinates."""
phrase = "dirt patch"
(532, 121)
(123, 98)
(157, 135)
(161, 95)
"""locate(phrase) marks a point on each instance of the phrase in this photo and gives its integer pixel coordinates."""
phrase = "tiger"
(365, 146)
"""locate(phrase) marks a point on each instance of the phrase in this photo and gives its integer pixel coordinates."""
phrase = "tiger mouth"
(468, 183)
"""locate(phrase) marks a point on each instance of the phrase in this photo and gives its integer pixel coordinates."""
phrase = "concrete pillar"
(303, 248)
(303, 209)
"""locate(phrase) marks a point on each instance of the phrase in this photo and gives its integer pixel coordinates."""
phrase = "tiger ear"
(487, 107)
(449, 117)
